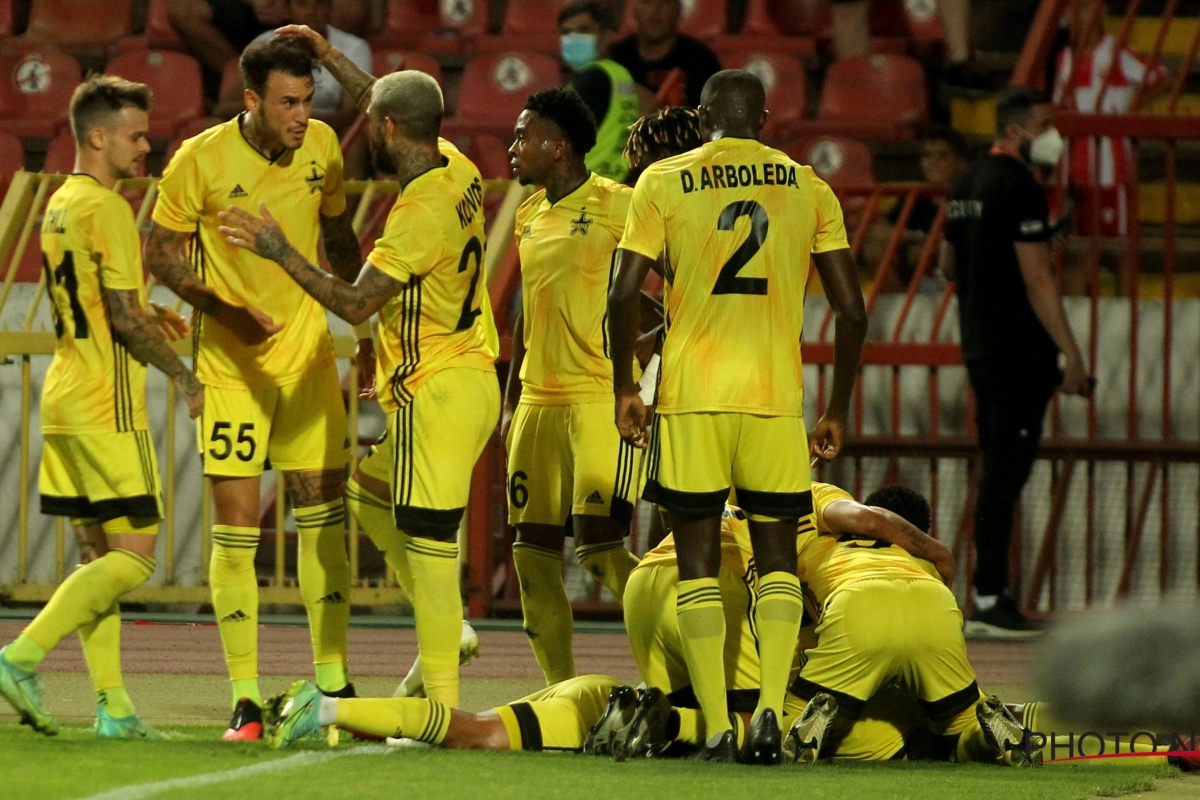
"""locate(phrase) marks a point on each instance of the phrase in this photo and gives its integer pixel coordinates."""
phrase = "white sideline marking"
(141, 790)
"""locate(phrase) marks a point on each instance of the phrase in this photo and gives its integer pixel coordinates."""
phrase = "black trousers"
(1011, 399)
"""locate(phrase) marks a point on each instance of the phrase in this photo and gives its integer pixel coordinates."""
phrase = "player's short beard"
(381, 159)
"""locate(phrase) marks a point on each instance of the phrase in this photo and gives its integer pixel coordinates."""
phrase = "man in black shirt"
(658, 47)
(1013, 326)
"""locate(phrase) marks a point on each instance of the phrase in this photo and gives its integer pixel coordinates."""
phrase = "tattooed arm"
(167, 258)
(356, 83)
(353, 302)
(140, 334)
(852, 517)
(341, 246)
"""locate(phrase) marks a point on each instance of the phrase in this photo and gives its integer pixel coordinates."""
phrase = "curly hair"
(904, 502)
(566, 109)
(285, 54)
(668, 132)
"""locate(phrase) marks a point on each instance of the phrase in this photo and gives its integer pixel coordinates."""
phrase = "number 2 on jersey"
(728, 281)
(64, 276)
(474, 248)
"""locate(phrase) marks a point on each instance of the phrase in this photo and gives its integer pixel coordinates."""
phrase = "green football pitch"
(193, 763)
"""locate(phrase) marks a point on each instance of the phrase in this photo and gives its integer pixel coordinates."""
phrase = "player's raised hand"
(320, 45)
(364, 358)
(631, 418)
(173, 326)
(825, 441)
(260, 235)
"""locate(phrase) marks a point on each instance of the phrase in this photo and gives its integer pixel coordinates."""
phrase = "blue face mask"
(578, 49)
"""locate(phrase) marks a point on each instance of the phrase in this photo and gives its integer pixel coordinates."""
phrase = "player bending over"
(737, 222)
(99, 466)
(436, 377)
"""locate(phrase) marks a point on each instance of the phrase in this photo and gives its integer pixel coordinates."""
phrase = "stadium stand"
(783, 77)
(490, 154)
(880, 96)
(528, 25)
(704, 19)
(6, 18)
(60, 154)
(34, 98)
(838, 160)
(795, 27)
(158, 33)
(385, 61)
(494, 89)
(12, 159)
(176, 81)
(433, 25)
(75, 25)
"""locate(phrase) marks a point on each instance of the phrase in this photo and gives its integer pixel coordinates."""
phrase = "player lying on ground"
(436, 375)
(98, 465)
(738, 223)
(274, 390)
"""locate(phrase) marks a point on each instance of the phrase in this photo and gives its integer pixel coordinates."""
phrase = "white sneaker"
(413, 684)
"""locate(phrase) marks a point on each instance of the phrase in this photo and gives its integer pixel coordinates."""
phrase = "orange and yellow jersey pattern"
(568, 253)
(90, 244)
(737, 222)
(829, 562)
(215, 170)
(434, 243)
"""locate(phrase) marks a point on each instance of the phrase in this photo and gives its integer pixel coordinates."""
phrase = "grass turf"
(75, 765)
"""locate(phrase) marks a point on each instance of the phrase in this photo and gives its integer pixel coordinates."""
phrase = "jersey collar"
(238, 121)
(586, 184)
(431, 171)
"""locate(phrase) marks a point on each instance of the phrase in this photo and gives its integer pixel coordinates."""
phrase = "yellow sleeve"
(645, 227)
(333, 195)
(406, 249)
(116, 245)
(823, 494)
(618, 211)
(831, 228)
(180, 193)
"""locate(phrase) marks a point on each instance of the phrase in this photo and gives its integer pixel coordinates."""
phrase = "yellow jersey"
(218, 169)
(567, 258)
(736, 221)
(433, 243)
(90, 244)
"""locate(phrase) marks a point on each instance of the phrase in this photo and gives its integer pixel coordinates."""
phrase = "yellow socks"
(234, 587)
(101, 640)
(777, 621)
(547, 611)
(437, 604)
(702, 634)
(610, 563)
(377, 519)
(89, 592)
(324, 572)
(407, 717)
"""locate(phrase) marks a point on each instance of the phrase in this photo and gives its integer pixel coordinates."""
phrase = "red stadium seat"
(837, 160)
(78, 24)
(174, 78)
(783, 77)
(229, 76)
(490, 154)
(877, 96)
(60, 155)
(528, 25)
(494, 89)
(790, 26)
(385, 61)
(6, 17)
(433, 25)
(12, 159)
(187, 131)
(35, 89)
(704, 19)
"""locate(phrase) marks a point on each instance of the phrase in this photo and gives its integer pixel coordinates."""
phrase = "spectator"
(606, 87)
(1013, 327)
(658, 47)
(944, 154)
(216, 31)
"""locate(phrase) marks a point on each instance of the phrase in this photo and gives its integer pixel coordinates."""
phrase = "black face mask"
(381, 160)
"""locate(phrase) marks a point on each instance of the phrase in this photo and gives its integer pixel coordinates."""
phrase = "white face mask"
(1047, 148)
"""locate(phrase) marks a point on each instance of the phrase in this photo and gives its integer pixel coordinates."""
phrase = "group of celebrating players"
(798, 609)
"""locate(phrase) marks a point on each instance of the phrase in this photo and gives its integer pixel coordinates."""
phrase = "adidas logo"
(595, 497)
(237, 616)
(238, 191)
(332, 597)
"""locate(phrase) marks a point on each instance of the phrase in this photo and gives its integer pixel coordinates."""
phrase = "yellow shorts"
(101, 476)
(569, 460)
(881, 731)
(558, 717)
(299, 427)
(430, 447)
(653, 627)
(880, 631)
(695, 458)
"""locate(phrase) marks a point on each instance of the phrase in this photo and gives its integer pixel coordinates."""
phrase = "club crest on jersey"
(581, 225)
(315, 181)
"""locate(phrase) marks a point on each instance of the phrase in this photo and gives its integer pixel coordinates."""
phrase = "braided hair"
(668, 132)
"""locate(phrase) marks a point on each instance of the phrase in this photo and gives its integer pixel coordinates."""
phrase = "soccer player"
(436, 376)
(737, 222)
(274, 390)
(568, 470)
(99, 466)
